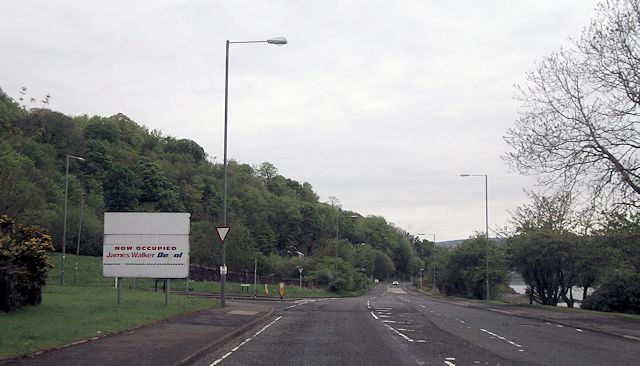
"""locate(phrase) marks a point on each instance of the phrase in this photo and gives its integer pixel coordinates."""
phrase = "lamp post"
(338, 237)
(486, 221)
(434, 259)
(64, 225)
(277, 41)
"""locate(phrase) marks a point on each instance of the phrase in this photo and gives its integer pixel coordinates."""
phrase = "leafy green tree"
(620, 294)
(382, 266)
(547, 262)
(156, 189)
(465, 271)
(121, 188)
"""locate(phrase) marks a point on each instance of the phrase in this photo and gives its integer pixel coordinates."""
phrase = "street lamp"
(64, 225)
(338, 236)
(277, 41)
(434, 260)
(486, 221)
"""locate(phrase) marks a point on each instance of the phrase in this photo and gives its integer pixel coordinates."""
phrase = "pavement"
(184, 339)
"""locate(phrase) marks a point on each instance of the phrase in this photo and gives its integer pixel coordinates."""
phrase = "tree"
(547, 262)
(578, 121)
(465, 270)
(382, 265)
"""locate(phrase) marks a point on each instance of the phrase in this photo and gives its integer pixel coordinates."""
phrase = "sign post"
(300, 270)
(222, 234)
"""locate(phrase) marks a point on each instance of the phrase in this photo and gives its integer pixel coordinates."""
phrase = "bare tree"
(578, 124)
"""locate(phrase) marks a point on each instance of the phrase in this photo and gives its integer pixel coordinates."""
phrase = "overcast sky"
(382, 104)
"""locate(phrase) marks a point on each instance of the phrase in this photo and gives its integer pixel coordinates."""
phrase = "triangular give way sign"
(222, 233)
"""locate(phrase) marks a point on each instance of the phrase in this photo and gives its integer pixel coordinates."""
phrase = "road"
(392, 326)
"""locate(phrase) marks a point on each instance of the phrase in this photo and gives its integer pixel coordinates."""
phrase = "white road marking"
(450, 358)
(461, 321)
(244, 342)
(450, 363)
(400, 334)
(422, 306)
(421, 341)
(501, 338)
(374, 315)
(559, 325)
(579, 330)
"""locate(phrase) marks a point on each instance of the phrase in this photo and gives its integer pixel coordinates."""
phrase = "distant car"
(395, 283)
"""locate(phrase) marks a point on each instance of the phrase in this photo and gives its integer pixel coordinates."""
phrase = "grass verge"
(71, 313)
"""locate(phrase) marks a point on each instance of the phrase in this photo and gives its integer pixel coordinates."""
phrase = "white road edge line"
(245, 342)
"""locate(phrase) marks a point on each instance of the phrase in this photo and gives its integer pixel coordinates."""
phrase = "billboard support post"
(119, 280)
(167, 285)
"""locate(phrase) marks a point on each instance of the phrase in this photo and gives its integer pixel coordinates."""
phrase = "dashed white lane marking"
(244, 342)
(579, 330)
(398, 333)
(559, 325)
(422, 306)
(461, 321)
(501, 338)
(374, 316)
(421, 341)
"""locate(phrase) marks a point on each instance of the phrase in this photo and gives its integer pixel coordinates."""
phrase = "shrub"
(620, 294)
(23, 264)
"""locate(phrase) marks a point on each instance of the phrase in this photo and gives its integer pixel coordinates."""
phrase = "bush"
(23, 264)
(620, 294)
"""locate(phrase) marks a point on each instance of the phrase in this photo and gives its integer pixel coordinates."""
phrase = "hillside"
(128, 167)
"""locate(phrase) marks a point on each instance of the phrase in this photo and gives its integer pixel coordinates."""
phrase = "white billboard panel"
(145, 244)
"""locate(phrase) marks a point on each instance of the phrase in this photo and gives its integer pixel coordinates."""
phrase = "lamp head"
(280, 41)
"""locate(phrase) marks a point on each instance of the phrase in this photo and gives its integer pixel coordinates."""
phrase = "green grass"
(72, 313)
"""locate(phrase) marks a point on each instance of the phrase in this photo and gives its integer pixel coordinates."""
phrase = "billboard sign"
(145, 244)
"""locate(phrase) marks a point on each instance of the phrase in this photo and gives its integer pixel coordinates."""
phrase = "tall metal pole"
(64, 224)
(75, 278)
(223, 276)
(486, 222)
(434, 262)
(336, 270)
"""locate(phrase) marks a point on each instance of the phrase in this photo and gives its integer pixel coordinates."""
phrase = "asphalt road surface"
(390, 326)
